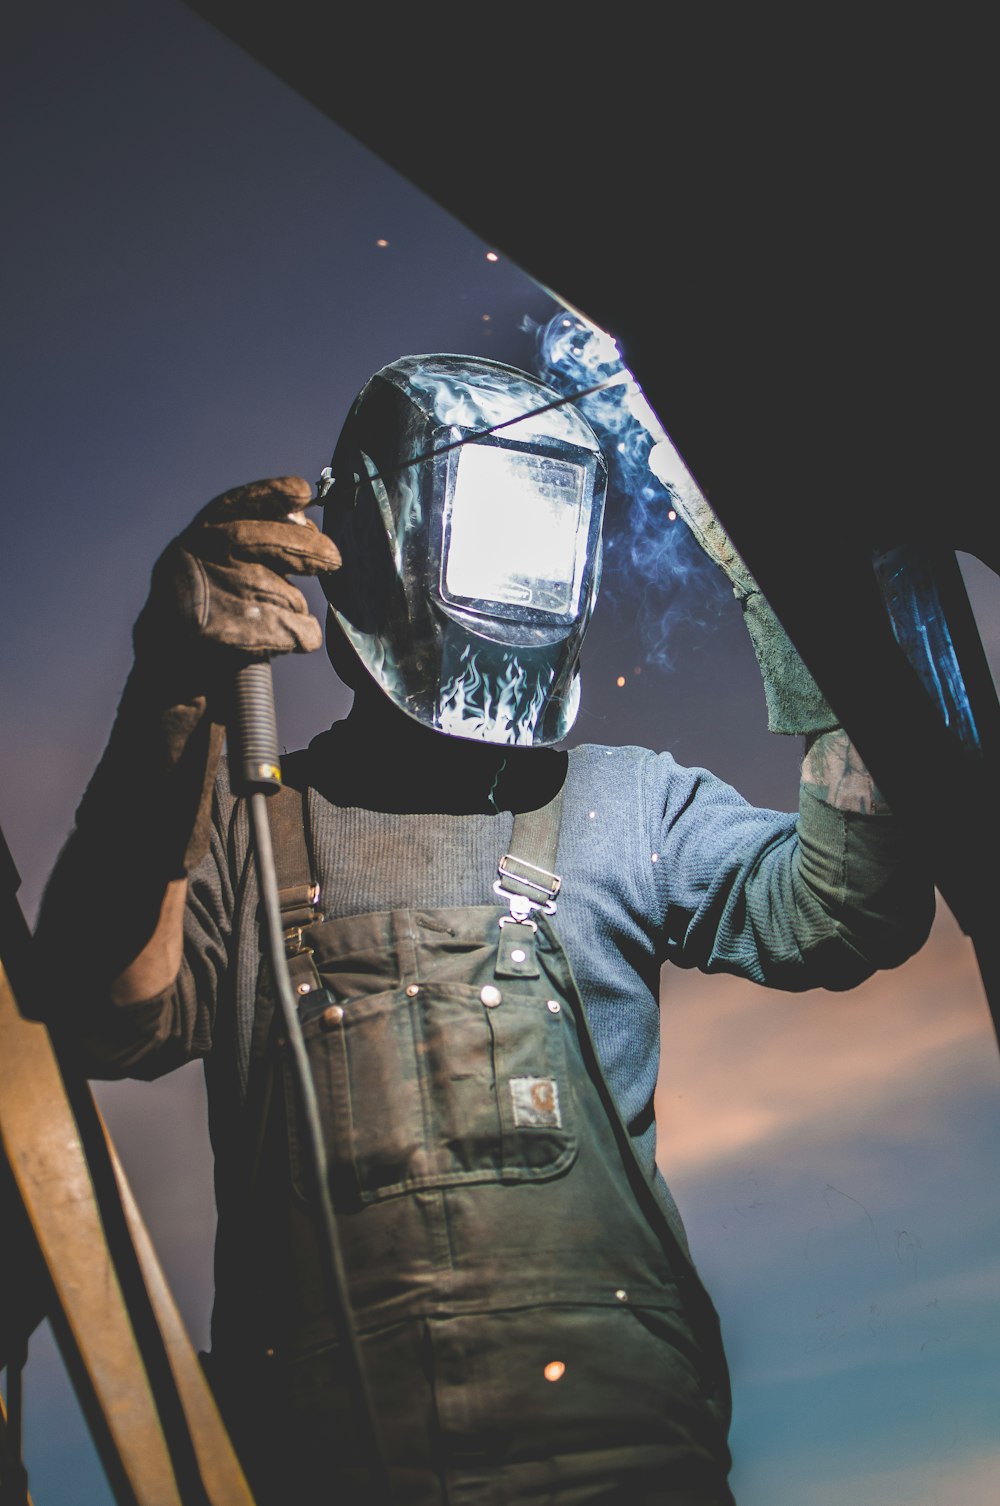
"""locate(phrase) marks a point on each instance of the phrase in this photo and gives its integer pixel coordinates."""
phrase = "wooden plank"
(155, 1453)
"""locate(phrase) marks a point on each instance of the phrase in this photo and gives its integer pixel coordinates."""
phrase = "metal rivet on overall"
(621, 1294)
(553, 1006)
(518, 954)
(490, 996)
(554, 1370)
(305, 988)
(412, 989)
(269, 1354)
(332, 1016)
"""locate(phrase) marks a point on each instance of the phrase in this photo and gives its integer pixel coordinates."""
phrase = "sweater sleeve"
(818, 901)
(150, 1037)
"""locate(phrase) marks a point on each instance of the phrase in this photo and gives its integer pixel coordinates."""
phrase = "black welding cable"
(255, 760)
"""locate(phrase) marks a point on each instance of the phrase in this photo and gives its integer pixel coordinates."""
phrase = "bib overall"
(532, 1332)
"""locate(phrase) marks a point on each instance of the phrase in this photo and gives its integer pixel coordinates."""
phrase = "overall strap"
(288, 812)
(527, 882)
(527, 878)
(298, 891)
(535, 838)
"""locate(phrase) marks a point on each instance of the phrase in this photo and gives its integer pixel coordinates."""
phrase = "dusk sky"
(195, 291)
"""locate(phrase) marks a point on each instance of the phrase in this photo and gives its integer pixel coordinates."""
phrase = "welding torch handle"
(255, 730)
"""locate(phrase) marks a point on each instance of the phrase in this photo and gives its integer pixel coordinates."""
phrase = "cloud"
(962, 1480)
(745, 1067)
(834, 1157)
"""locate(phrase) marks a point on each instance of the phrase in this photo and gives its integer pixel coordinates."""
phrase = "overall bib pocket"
(437, 1084)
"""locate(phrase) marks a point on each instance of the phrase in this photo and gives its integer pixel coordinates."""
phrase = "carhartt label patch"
(536, 1103)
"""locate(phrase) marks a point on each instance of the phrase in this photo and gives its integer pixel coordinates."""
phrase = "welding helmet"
(466, 500)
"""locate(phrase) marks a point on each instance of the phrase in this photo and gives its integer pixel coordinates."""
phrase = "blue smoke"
(653, 568)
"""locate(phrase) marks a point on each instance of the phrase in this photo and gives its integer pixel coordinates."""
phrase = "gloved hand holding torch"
(219, 599)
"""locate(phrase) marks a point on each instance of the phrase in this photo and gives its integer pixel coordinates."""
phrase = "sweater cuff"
(870, 877)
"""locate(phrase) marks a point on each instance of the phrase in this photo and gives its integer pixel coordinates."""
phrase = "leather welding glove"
(795, 703)
(219, 597)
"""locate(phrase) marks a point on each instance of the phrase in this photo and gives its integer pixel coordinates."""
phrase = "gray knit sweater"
(659, 864)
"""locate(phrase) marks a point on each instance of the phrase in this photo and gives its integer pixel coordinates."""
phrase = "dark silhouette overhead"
(787, 233)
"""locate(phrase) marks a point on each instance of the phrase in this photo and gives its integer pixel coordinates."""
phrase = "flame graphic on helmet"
(500, 707)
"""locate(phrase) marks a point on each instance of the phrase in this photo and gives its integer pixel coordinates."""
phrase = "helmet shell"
(467, 500)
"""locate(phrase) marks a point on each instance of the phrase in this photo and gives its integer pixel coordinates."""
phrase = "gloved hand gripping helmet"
(466, 499)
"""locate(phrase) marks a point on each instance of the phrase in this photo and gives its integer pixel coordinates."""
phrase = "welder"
(475, 924)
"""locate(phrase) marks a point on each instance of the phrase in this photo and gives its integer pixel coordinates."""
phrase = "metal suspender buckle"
(299, 907)
(526, 887)
(293, 941)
